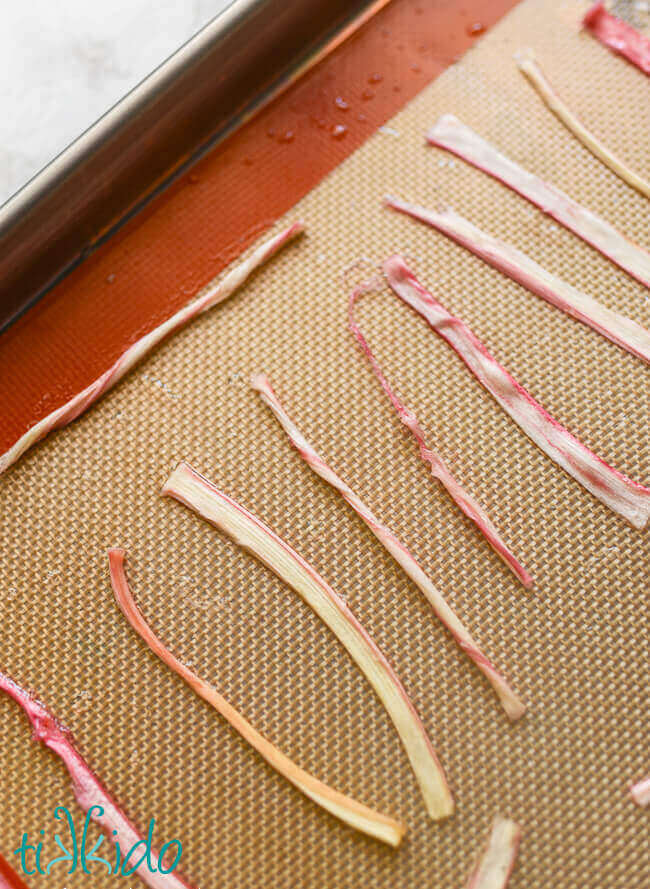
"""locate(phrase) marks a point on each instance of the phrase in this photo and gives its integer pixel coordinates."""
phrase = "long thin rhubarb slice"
(199, 494)
(529, 66)
(618, 36)
(89, 792)
(452, 135)
(509, 700)
(525, 271)
(641, 792)
(495, 865)
(626, 497)
(348, 810)
(68, 412)
(9, 879)
(439, 469)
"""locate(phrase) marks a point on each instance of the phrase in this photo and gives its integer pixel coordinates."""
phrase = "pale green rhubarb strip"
(347, 810)
(529, 66)
(439, 469)
(452, 135)
(525, 271)
(69, 411)
(496, 864)
(624, 496)
(509, 700)
(89, 792)
(200, 495)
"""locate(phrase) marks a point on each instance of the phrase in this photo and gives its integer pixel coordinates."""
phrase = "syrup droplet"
(339, 131)
(375, 78)
(475, 29)
(287, 136)
(341, 103)
(367, 94)
(270, 132)
(110, 278)
(361, 118)
(416, 68)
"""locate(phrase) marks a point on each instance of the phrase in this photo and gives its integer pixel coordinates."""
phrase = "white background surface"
(63, 63)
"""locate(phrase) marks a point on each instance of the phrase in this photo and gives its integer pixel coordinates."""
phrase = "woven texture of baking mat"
(577, 648)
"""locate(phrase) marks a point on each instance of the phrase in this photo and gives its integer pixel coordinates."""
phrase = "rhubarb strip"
(641, 792)
(626, 497)
(249, 532)
(347, 810)
(521, 268)
(452, 135)
(9, 879)
(509, 700)
(495, 865)
(439, 469)
(68, 412)
(529, 66)
(89, 792)
(618, 36)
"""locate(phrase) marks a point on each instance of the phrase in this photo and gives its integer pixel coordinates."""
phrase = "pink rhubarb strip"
(439, 469)
(90, 793)
(199, 494)
(509, 700)
(496, 864)
(521, 268)
(452, 135)
(626, 497)
(618, 36)
(641, 792)
(348, 810)
(215, 294)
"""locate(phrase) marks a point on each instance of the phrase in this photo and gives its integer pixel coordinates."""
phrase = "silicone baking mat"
(576, 648)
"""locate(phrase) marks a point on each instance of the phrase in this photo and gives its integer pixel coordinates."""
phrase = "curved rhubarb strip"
(626, 497)
(525, 271)
(439, 469)
(509, 700)
(618, 36)
(9, 879)
(495, 866)
(452, 135)
(199, 494)
(214, 295)
(89, 792)
(641, 792)
(348, 810)
(528, 65)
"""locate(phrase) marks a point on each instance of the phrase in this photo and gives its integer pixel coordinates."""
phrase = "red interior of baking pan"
(187, 235)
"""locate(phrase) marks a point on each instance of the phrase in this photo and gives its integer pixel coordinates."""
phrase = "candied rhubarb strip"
(525, 271)
(618, 36)
(641, 792)
(347, 810)
(200, 495)
(89, 792)
(529, 66)
(439, 469)
(9, 879)
(215, 294)
(452, 135)
(509, 700)
(495, 865)
(624, 496)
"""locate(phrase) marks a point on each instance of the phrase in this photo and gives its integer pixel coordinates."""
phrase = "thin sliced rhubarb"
(509, 700)
(452, 135)
(68, 412)
(626, 497)
(200, 495)
(618, 36)
(529, 66)
(348, 810)
(439, 469)
(89, 792)
(9, 879)
(495, 865)
(521, 268)
(641, 792)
